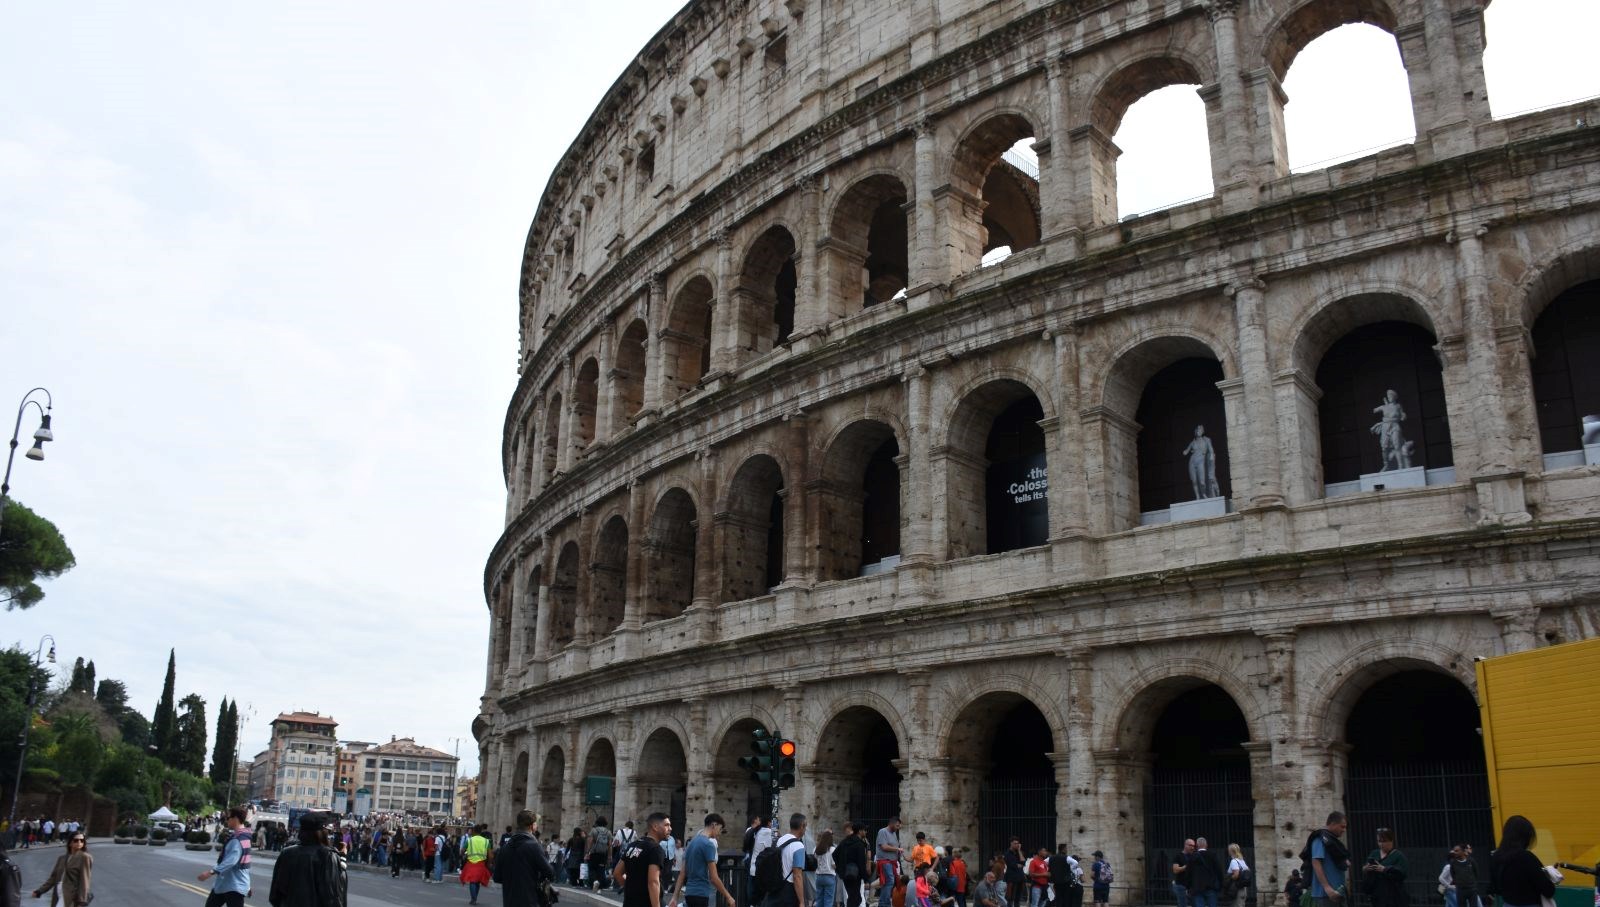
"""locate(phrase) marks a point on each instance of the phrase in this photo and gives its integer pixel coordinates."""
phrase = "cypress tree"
(163, 729)
(227, 735)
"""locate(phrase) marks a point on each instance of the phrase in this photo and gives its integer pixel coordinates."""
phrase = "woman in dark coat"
(1514, 872)
(1383, 878)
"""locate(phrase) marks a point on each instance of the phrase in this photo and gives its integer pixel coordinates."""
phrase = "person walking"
(639, 866)
(1330, 860)
(577, 845)
(1237, 884)
(827, 871)
(475, 873)
(520, 866)
(599, 854)
(231, 876)
(697, 877)
(1100, 873)
(310, 873)
(70, 881)
(886, 857)
(792, 861)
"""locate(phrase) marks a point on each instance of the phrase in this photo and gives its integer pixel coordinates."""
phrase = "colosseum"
(1191, 522)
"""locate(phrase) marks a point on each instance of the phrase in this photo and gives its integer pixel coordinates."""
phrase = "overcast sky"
(266, 257)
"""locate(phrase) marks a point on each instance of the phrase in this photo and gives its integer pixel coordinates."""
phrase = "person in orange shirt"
(958, 875)
(923, 854)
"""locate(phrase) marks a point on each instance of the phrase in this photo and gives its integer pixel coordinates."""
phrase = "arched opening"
(1163, 152)
(564, 598)
(501, 636)
(585, 400)
(631, 366)
(663, 779)
(869, 246)
(996, 167)
(1566, 372)
(1425, 777)
(1110, 107)
(552, 439)
(608, 589)
(552, 777)
(519, 783)
(1199, 781)
(1183, 437)
(531, 610)
(767, 285)
(855, 777)
(1383, 409)
(1346, 93)
(1000, 749)
(669, 553)
(860, 503)
(752, 530)
(527, 457)
(600, 781)
(998, 486)
(686, 342)
(733, 788)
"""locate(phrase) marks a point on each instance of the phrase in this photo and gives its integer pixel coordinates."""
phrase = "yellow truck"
(1541, 738)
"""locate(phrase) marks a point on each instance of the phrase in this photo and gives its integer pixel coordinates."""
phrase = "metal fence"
(1430, 806)
(1024, 809)
(1213, 803)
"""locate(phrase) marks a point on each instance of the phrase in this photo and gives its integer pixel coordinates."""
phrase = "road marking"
(190, 887)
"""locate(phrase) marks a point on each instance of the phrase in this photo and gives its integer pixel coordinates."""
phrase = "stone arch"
(855, 775)
(999, 193)
(1110, 98)
(600, 761)
(751, 540)
(957, 431)
(586, 401)
(669, 552)
(552, 438)
(686, 341)
(768, 282)
(661, 776)
(519, 782)
(859, 500)
(971, 690)
(733, 793)
(1160, 386)
(867, 253)
(1309, 20)
(1150, 690)
(1000, 748)
(1334, 694)
(631, 373)
(1543, 280)
(564, 597)
(996, 442)
(608, 588)
(1351, 305)
(552, 782)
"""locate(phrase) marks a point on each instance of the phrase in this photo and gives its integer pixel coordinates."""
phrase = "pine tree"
(227, 739)
(189, 736)
(76, 683)
(164, 725)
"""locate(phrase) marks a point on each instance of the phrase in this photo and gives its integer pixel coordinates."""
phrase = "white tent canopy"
(163, 815)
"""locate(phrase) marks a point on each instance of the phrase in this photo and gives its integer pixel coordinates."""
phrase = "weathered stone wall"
(658, 414)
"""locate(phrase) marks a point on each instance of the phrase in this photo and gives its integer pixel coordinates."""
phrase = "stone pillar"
(1278, 767)
(541, 638)
(524, 602)
(606, 407)
(1121, 779)
(925, 273)
(572, 805)
(1068, 500)
(698, 799)
(707, 576)
(1518, 628)
(1094, 158)
(1058, 195)
(623, 792)
(1448, 130)
(724, 314)
(796, 566)
(810, 309)
(584, 629)
(1321, 785)
(570, 449)
(655, 320)
(1297, 397)
(1078, 775)
(1260, 446)
(1486, 394)
(916, 542)
(1235, 141)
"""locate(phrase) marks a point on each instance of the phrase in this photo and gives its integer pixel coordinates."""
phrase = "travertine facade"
(768, 402)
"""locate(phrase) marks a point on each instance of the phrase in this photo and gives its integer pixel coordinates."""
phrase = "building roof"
(306, 718)
(406, 746)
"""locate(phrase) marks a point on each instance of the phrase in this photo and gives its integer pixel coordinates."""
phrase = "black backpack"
(10, 883)
(769, 865)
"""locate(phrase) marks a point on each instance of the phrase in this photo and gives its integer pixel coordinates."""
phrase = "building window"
(385, 777)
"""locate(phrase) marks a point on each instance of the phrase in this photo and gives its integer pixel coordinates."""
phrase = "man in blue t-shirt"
(1329, 862)
(697, 877)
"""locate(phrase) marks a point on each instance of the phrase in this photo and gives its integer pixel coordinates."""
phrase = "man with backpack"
(520, 867)
(1329, 860)
(781, 868)
(599, 853)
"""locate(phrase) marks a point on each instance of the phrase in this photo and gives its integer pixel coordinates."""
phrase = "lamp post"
(40, 435)
(27, 725)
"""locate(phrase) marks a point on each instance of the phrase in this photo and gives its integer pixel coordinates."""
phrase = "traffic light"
(785, 771)
(763, 765)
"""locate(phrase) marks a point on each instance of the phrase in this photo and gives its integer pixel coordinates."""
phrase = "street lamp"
(41, 435)
(27, 725)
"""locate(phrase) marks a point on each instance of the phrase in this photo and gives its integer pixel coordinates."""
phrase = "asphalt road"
(126, 875)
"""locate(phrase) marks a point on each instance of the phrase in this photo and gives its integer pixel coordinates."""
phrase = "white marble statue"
(1392, 443)
(1202, 465)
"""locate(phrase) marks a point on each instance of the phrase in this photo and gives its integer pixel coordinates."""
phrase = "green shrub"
(198, 836)
(141, 831)
(125, 830)
(158, 834)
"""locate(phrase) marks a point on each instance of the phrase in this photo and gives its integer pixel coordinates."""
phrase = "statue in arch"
(1202, 465)
(1392, 443)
